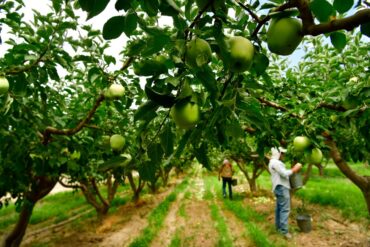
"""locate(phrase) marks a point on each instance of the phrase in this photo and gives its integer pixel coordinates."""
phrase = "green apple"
(241, 54)
(284, 35)
(333, 118)
(300, 143)
(117, 142)
(316, 156)
(4, 85)
(115, 91)
(149, 67)
(198, 53)
(185, 114)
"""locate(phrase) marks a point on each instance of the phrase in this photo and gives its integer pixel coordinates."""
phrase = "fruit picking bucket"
(304, 222)
(296, 181)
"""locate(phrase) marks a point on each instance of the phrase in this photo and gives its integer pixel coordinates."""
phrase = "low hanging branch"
(251, 13)
(347, 23)
(51, 130)
(277, 106)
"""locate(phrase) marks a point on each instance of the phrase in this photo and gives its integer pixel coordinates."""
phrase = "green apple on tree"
(4, 85)
(149, 67)
(117, 142)
(316, 156)
(185, 114)
(300, 143)
(284, 35)
(198, 53)
(241, 52)
(114, 91)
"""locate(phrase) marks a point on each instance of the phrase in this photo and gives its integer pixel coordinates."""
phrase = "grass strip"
(221, 227)
(156, 218)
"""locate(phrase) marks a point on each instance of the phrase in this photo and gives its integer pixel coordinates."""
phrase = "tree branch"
(347, 23)
(268, 17)
(360, 181)
(276, 106)
(51, 130)
(251, 13)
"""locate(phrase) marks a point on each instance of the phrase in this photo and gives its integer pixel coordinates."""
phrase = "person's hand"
(297, 167)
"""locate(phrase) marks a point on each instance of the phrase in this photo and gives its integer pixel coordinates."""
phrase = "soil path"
(189, 223)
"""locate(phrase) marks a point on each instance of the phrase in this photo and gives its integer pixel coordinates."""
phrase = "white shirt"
(279, 174)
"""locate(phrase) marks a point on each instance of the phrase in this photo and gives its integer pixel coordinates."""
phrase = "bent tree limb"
(51, 130)
(362, 182)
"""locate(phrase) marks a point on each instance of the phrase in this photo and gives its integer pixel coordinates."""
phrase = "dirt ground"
(189, 221)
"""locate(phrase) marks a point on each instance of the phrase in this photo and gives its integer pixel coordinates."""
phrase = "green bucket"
(304, 222)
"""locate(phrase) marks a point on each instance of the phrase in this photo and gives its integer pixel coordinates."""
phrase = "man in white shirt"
(280, 187)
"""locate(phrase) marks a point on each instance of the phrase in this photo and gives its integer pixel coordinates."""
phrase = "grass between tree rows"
(156, 218)
(55, 209)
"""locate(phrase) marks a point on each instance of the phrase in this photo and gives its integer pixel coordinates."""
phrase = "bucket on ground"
(304, 222)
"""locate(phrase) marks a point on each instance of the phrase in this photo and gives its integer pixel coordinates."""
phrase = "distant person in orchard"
(226, 172)
(280, 187)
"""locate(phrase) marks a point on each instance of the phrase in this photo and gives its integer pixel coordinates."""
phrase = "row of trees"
(55, 114)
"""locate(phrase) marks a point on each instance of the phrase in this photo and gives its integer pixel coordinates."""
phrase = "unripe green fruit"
(114, 91)
(301, 143)
(198, 53)
(241, 54)
(185, 114)
(284, 35)
(117, 142)
(4, 85)
(316, 156)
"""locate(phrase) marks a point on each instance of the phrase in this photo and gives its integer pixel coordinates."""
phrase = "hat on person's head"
(226, 161)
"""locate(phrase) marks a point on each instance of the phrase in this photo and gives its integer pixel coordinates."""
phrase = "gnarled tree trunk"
(39, 189)
(136, 189)
(363, 182)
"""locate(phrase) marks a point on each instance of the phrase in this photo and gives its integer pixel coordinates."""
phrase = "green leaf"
(146, 111)
(322, 9)
(114, 27)
(208, 80)
(169, 7)
(167, 138)
(365, 29)
(93, 7)
(343, 6)
(57, 5)
(155, 153)
(182, 143)
(130, 22)
(338, 40)
(201, 155)
(150, 7)
(123, 4)
(147, 171)
(260, 63)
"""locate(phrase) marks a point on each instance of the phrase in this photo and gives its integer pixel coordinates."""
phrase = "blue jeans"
(228, 181)
(282, 208)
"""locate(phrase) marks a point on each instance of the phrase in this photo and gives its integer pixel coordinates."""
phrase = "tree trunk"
(307, 174)
(321, 169)
(363, 182)
(39, 189)
(14, 239)
(253, 185)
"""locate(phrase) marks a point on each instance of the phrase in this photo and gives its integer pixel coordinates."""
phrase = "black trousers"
(228, 182)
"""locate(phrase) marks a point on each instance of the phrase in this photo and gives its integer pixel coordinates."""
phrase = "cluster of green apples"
(301, 144)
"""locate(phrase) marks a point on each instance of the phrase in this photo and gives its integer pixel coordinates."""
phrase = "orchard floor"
(190, 222)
